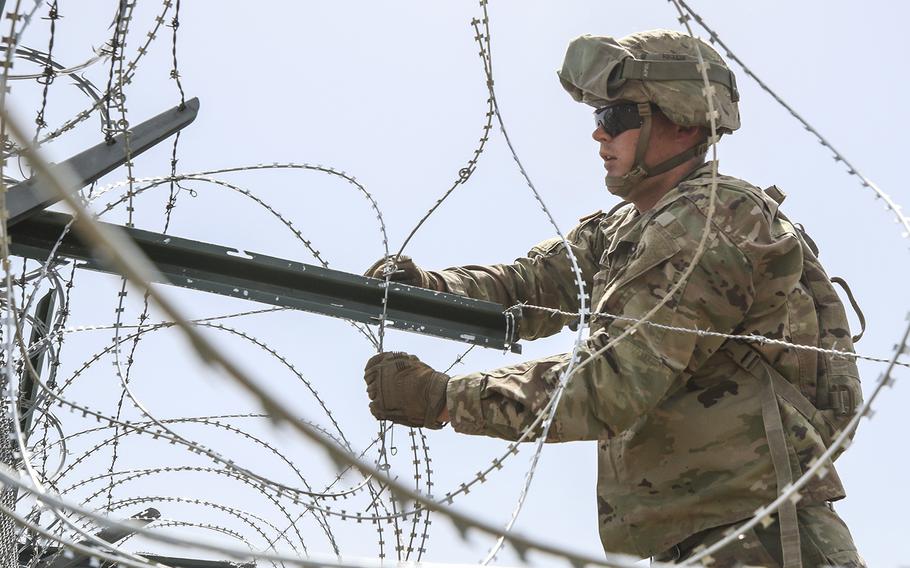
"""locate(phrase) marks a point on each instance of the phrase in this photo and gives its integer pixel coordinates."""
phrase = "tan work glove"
(405, 390)
(405, 271)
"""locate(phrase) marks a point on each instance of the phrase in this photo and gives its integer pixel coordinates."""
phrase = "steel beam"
(110, 534)
(32, 195)
(28, 389)
(173, 561)
(275, 281)
(53, 557)
(196, 563)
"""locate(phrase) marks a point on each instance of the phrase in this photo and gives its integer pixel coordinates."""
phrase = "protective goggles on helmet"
(616, 119)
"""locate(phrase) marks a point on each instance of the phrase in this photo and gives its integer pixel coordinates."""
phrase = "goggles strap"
(688, 70)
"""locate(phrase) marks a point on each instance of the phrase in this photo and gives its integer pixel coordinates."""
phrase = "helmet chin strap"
(626, 186)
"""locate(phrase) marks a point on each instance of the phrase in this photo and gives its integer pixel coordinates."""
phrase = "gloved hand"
(405, 271)
(405, 390)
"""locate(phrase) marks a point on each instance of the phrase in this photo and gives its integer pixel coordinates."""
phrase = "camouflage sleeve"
(608, 392)
(542, 278)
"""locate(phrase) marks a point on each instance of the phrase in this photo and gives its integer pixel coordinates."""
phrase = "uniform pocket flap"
(656, 246)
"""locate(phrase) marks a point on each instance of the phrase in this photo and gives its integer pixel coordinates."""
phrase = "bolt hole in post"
(240, 254)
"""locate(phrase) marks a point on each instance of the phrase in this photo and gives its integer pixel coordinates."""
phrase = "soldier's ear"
(689, 135)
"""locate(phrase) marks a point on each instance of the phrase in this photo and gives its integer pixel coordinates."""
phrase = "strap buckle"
(842, 401)
(749, 359)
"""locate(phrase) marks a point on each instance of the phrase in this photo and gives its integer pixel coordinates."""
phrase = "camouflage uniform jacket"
(682, 446)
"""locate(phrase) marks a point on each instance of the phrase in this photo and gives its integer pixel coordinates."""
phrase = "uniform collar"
(702, 172)
(629, 223)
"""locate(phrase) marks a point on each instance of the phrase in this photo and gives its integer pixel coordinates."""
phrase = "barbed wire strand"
(129, 261)
(890, 204)
(594, 316)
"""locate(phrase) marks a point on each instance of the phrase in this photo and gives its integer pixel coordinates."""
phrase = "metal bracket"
(279, 282)
(56, 559)
(225, 271)
(31, 196)
(177, 562)
(112, 535)
(44, 316)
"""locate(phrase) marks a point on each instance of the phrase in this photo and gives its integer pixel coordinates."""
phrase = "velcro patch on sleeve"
(591, 216)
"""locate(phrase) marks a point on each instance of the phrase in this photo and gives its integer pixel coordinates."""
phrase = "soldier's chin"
(618, 190)
(626, 192)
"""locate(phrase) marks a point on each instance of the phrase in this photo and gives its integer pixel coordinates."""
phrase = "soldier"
(695, 431)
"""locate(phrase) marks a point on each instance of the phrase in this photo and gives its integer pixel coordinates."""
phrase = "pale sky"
(394, 94)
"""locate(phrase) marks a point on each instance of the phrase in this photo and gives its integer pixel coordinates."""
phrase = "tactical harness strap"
(775, 385)
(669, 70)
(856, 309)
(778, 196)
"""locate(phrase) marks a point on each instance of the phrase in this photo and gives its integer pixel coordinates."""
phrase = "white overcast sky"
(394, 94)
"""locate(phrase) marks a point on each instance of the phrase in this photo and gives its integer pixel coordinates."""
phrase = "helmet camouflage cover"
(658, 66)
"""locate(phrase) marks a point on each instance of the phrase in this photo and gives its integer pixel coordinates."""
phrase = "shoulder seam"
(691, 203)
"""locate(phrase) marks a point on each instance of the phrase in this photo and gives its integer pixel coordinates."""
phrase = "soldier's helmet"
(656, 66)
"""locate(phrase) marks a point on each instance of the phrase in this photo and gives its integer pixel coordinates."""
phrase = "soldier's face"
(617, 152)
